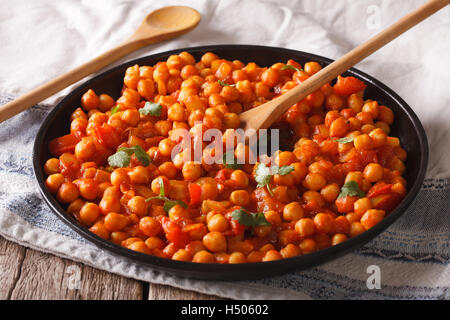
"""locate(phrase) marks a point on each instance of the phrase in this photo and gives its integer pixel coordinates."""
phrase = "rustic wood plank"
(45, 276)
(11, 258)
(163, 292)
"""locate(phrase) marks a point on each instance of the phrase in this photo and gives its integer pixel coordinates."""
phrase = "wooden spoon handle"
(51, 87)
(263, 116)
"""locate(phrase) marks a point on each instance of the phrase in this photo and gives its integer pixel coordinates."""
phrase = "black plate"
(406, 126)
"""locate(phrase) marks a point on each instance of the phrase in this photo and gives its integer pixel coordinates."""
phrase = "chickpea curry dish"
(118, 174)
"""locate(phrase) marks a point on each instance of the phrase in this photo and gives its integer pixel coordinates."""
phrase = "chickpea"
(163, 127)
(355, 102)
(54, 181)
(195, 246)
(356, 228)
(262, 231)
(177, 112)
(110, 201)
(89, 213)
(165, 147)
(386, 115)
(89, 100)
(338, 128)
(330, 192)
(115, 221)
(272, 217)
(237, 257)
(362, 205)
(119, 177)
(204, 256)
(150, 226)
(305, 227)
(231, 120)
(239, 178)
(270, 77)
(88, 189)
(363, 142)
(187, 58)
(138, 206)
(182, 255)
(314, 181)
(293, 211)
(154, 243)
(67, 192)
(51, 166)
(314, 196)
(196, 231)
(99, 229)
(139, 246)
(240, 197)
(338, 238)
(323, 222)
(75, 207)
(290, 251)
(272, 255)
(372, 108)
(371, 218)
(308, 245)
(373, 172)
(255, 256)
(215, 241)
(208, 58)
(191, 171)
(341, 225)
(85, 150)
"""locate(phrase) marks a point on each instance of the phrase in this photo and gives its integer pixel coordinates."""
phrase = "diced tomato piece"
(294, 63)
(195, 192)
(224, 174)
(346, 86)
(369, 156)
(345, 204)
(174, 233)
(107, 135)
(379, 188)
(236, 227)
(63, 144)
(386, 202)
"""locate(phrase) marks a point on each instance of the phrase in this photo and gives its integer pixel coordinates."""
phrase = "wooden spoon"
(159, 25)
(264, 115)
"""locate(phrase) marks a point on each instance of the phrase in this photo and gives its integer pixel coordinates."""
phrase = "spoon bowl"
(165, 23)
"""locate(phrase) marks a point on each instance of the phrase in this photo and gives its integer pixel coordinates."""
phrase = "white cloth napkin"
(41, 39)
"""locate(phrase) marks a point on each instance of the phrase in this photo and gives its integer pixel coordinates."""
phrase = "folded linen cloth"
(412, 255)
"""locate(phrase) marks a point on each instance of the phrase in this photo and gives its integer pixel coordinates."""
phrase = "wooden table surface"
(30, 274)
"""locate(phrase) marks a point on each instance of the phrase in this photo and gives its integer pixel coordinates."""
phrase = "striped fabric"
(412, 255)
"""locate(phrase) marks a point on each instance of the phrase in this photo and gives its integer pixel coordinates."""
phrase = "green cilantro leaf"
(233, 164)
(168, 203)
(119, 159)
(283, 170)
(344, 140)
(123, 156)
(141, 155)
(290, 67)
(224, 84)
(151, 108)
(263, 174)
(249, 219)
(162, 192)
(115, 110)
(351, 189)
